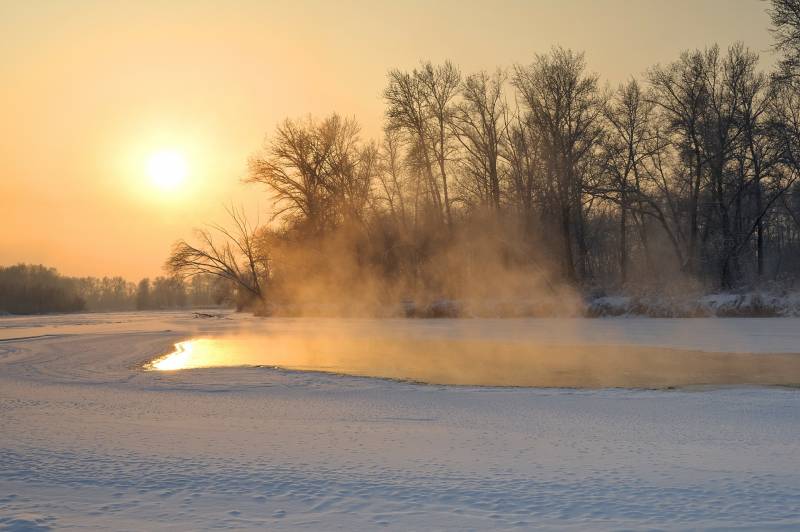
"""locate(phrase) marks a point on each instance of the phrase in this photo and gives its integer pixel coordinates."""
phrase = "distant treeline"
(33, 289)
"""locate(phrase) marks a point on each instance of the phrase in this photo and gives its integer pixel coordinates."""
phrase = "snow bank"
(725, 304)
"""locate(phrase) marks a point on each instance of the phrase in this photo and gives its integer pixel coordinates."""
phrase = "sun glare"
(178, 359)
(167, 169)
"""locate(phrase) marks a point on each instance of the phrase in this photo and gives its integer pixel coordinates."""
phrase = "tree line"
(34, 289)
(685, 176)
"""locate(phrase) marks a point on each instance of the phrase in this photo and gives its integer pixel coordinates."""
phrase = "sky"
(91, 90)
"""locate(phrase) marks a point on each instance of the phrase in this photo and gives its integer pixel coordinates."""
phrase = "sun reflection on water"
(212, 352)
(178, 359)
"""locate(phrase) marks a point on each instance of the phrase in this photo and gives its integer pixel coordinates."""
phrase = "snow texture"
(90, 441)
(724, 304)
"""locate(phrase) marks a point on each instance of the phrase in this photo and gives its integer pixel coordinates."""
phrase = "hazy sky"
(89, 89)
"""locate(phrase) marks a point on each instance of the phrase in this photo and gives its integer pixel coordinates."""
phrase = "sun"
(167, 169)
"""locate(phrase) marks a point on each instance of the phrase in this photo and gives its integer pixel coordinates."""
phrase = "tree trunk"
(759, 234)
(623, 244)
(566, 235)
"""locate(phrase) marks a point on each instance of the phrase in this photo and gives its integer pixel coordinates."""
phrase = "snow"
(91, 441)
(724, 304)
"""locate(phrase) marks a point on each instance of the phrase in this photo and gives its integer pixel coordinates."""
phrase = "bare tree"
(236, 255)
(785, 17)
(420, 104)
(478, 125)
(319, 173)
(441, 83)
(522, 154)
(565, 107)
(628, 144)
(407, 112)
(393, 188)
(680, 92)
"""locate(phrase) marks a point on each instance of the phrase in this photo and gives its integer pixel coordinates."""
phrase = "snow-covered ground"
(754, 304)
(90, 440)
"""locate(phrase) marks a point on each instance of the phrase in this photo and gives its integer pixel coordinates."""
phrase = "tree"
(522, 154)
(564, 106)
(441, 84)
(679, 90)
(420, 104)
(626, 146)
(391, 176)
(477, 124)
(318, 172)
(143, 295)
(236, 255)
(785, 17)
(34, 289)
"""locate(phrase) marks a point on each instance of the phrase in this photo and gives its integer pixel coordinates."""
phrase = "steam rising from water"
(490, 362)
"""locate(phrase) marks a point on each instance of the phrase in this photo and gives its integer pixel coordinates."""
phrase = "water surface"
(474, 352)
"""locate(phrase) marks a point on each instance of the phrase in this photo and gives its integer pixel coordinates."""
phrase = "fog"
(522, 191)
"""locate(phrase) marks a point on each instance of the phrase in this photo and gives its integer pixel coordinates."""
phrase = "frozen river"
(90, 439)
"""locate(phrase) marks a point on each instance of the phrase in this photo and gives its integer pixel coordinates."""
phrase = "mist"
(525, 190)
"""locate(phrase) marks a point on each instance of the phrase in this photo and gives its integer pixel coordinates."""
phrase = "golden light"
(198, 353)
(178, 359)
(167, 169)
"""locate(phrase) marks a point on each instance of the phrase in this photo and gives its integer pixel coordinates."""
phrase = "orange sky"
(91, 88)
